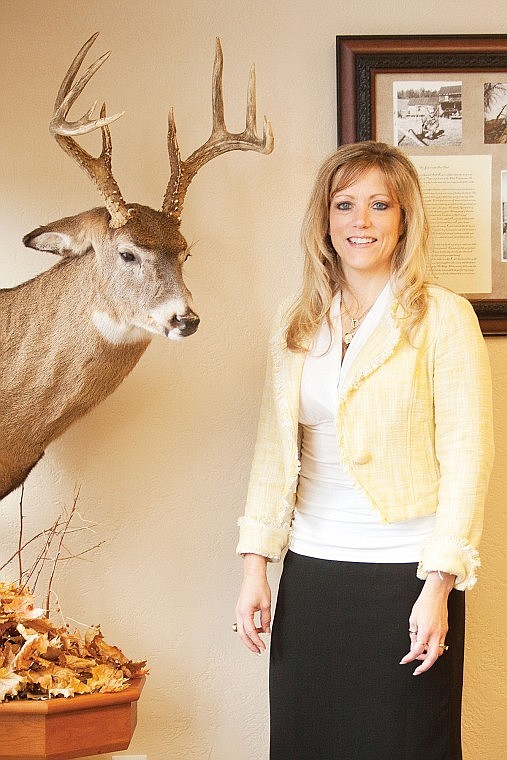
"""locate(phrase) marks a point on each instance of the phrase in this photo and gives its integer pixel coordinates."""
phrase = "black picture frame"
(360, 58)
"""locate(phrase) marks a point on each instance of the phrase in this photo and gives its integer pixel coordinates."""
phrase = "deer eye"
(127, 256)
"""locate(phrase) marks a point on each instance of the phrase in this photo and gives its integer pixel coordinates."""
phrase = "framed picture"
(443, 100)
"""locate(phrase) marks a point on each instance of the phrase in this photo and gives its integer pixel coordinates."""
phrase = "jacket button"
(362, 458)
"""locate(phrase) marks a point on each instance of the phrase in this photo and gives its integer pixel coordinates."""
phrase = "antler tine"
(251, 110)
(97, 168)
(220, 140)
(58, 125)
(268, 140)
(217, 97)
(73, 69)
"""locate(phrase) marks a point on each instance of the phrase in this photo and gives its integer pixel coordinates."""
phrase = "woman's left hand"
(428, 622)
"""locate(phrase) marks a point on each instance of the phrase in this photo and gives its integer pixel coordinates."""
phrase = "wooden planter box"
(63, 728)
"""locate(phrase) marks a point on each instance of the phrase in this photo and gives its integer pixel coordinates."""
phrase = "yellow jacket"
(414, 426)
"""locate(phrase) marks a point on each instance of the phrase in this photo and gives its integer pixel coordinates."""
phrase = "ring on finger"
(423, 644)
(444, 647)
(235, 627)
(414, 633)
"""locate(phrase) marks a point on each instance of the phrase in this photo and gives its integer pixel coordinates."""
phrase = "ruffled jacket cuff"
(261, 538)
(451, 554)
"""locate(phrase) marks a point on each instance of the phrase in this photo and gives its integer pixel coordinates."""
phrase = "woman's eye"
(380, 206)
(127, 256)
(343, 205)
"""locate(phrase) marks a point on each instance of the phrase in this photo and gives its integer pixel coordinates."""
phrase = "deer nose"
(186, 324)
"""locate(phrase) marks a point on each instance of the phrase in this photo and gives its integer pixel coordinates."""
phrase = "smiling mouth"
(361, 240)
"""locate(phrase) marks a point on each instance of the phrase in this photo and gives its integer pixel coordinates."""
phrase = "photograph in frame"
(495, 113)
(427, 113)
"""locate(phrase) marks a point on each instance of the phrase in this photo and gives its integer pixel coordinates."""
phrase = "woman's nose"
(361, 216)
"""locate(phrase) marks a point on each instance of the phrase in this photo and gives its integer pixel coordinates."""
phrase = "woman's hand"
(428, 622)
(255, 596)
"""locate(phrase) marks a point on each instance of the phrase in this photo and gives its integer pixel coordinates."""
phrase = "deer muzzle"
(183, 325)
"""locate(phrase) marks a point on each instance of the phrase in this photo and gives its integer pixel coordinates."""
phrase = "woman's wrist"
(439, 580)
(254, 564)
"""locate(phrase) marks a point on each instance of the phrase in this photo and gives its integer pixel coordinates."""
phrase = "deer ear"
(43, 239)
(71, 236)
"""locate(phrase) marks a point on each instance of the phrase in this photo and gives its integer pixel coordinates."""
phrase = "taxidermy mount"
(70, 336)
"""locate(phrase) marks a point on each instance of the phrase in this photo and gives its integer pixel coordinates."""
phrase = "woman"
(372, 462)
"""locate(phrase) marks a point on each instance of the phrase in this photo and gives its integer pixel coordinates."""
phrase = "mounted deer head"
(69, 336)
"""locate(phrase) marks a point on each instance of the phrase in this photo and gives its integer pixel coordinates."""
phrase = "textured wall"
(485, 697)
(163, 463)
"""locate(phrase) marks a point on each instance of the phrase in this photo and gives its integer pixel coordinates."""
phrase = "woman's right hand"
(255, 596)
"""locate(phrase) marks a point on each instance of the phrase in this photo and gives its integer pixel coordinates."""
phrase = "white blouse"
(333, 517)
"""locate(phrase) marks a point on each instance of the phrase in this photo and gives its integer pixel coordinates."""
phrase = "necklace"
(354, 324)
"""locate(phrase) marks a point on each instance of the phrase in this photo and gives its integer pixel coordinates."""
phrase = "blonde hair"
(323, 275)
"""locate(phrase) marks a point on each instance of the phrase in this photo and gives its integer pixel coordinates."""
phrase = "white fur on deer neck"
(117, 332)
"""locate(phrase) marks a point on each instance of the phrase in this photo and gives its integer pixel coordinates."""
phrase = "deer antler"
(220, 140)
(98, 168)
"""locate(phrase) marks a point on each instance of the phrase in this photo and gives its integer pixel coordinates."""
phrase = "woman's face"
(365, 223)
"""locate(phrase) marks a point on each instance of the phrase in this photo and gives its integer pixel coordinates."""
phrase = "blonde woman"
(371, 468)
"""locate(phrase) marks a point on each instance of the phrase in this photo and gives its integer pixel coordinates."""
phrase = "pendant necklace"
(354, 325)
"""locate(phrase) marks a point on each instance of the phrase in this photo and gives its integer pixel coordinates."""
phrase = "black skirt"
(337, 690)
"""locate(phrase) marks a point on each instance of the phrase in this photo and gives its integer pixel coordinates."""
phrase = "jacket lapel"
(288, 367)
(378, 348)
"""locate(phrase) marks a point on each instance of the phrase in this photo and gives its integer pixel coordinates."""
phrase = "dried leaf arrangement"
(38, 659)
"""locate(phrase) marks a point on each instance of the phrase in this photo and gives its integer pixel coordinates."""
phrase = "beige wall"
(163, 463)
